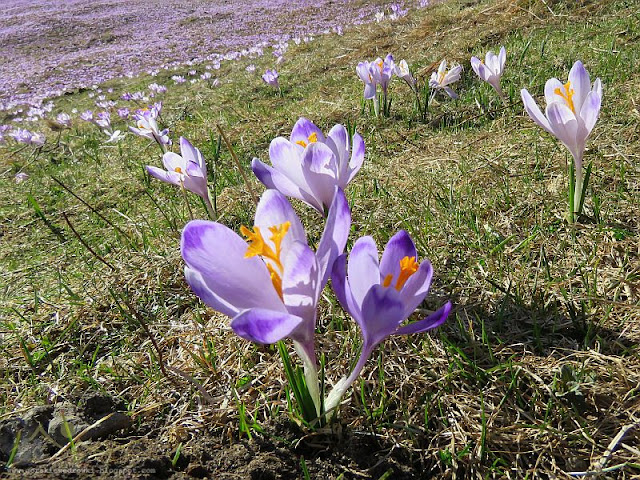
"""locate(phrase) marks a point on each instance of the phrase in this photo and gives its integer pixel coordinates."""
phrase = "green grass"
(536, 371)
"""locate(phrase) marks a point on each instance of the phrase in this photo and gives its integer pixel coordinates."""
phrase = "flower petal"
(342, 288)
(550, 88)
(590, 110)
(218, 255)
(382, 312)
(434, 320)
(305, 128)
(301, 284)
(502, 59)
(534, 112)
(338, 142)
(273, 210)
(479, 68)
(564, 125)
(173, 161)
(210, 298)
(264, 326)
(357, 156)
(581, 84)
(321, 172)
(192, 154)
(334, 236)
(416, 287)
(363, 269)
(163, 175)
(286, 157)
(398, 247)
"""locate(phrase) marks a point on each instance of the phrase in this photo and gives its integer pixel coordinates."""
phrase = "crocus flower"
(441, 79)
(370, 84)
(87, 116)
(123, 112)
(382, 295)
(188, 170)
(103, 120)
(270, 77)
(270, 284)
(571, 113)
(20, 177)
(148, 127)
(63, 119)
(22, 135)
(491, 70)
(402, 71)
(114, 137)
(382, 71)
(309, 165)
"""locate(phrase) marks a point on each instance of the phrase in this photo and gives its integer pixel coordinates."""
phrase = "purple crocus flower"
(571, 113)
(270, 284)
(382, 71)
(491, 69)
(87, 116)
(188, 170)
(441, 79)
(103, 120)
(382, 295)
(63, 119)
(364, 72)
(270, 77)
(147, 125)
(123, 112)
(22, 135)
(309, 165)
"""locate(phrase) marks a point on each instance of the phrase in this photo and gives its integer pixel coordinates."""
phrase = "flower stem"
(333, 399)
(308, 356)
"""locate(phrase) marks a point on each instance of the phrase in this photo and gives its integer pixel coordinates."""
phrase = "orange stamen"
(567, 95)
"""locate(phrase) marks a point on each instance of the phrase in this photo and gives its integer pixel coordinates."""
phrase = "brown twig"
(85, 244)
(235, 159)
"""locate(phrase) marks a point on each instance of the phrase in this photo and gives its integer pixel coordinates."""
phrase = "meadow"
(110, 364)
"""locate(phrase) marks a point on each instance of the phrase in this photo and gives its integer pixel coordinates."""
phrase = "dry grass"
(536, 374)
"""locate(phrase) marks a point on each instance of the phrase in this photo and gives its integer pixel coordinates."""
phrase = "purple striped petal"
(417, 287)
(321, 172)
(303, 129)
(341, 287)
(564, 125)
(286, 157)
(382, 312)
(363, 269)
(161, 174)
(273, 210)
(534, 112)
(580, 83)
(357, 156)
(334, 236)
(434, 320)
(590, 110)
(550, 94)
(218, 255)
(398, 247)
(272, 178)
(264, 326)
(202, 290)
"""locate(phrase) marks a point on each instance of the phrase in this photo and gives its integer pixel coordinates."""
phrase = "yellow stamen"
(177, 169)
(567, 95)
(313, 138)
(408, 266)
(257, 246)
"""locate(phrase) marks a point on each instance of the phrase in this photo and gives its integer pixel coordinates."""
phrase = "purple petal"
(273, 210)
(502, 58)
(202, 290)
(382, 312)
(416, 287)
(264, 326)
(342, 289)
(357, 156)
(363, 268)
(564, 125)
(479, 68)
(320, 170)
(434, 320)
(163, 175)
(334, 236)
(398, 247)
(272, 178)
(590, 111)
(581, 84)
(301, 283)
(286, 157)
(192, 154)
(303, 129)
(218, 255)
(338, 142)
(534, 112)
(450, 92)
(369, 91)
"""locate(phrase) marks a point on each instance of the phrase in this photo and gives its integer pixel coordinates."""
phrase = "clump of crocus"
(270, 283)
(270, 77)
(188, 171)
(309, 166)
(147, 125)
(27, 137)
(372, 74)
(491, 69)
(571, 113)
(381, 295)
(441, 79)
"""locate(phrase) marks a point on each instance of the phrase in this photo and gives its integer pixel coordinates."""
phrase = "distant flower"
(270, 77)
(441, 79)
(191, 72)
(87, 116)
(188, 170)
(63, 119)
(20, 177)
(114, 137)
(154, 87)
(251, 68)
(127, 97)
(147, 126)
(178, 79)
(397, 11)
(491, 70)
(571, 113)
(205, 76)
(372, 74)
(379, 17)
(22, 135)
(309, 166)
(103, 120)
(380, 295)
(123, 112)
(215, 82)
(402, 71)
(364, 72)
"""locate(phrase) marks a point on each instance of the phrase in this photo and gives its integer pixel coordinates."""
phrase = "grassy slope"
(538, 369)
